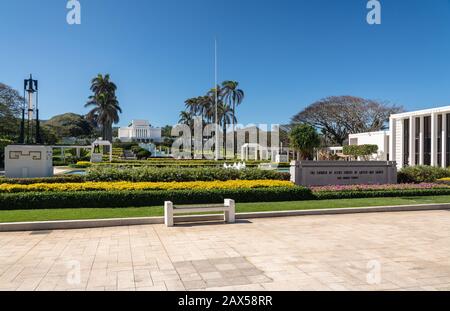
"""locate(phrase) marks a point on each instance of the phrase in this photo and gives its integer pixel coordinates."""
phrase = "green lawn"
(99, 213)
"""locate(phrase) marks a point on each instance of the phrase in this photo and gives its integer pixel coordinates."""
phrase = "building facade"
(140, 131)
(414, 138)
(421, 137)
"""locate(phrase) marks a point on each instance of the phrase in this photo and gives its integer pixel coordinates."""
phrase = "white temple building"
(140, 131)
(414, 138)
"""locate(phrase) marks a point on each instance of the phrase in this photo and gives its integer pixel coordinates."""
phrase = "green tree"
(338, 116)
(363, 151)
(186, 118)
(10, 112)
(304, 139)
(105, 106)
(3, 144)
(233, 96)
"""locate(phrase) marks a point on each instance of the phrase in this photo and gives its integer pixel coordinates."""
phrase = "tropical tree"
(233, 96)
(304, 138)
(192, 105)
(226, 117)
(186, 118)
(338, 116)
(103, 85)
(11, 103)
(105, 106)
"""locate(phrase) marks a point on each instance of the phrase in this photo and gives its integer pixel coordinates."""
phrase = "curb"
(117, 222)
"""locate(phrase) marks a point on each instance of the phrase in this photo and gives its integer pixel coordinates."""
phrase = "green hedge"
(151, 174)
(360, 150)
(45, 180)
(101, 199)
(331, 195)
(422, 174)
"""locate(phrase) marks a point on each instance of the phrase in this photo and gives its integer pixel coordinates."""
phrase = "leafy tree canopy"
(304, 138)
(10, 107)
(338, 116)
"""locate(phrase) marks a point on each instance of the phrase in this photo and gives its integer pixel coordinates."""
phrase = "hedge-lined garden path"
(386, 251)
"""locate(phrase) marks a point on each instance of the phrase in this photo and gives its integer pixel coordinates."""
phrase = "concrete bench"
(229, 209)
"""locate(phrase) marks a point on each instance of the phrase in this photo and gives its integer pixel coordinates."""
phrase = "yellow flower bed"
(130, 186)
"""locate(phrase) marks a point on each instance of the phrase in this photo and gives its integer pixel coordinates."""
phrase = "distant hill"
(70, 125)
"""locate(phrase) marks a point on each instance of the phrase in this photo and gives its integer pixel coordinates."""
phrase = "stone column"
(392, 156)
(421, 141)
(412, 141)
(444, 140)
(434, 136)
(401, 129)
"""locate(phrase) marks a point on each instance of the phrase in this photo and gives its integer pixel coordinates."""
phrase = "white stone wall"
(28, 161)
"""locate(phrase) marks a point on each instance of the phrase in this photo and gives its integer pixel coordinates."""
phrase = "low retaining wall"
(101, 223)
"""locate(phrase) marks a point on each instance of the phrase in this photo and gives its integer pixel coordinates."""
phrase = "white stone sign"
(28, 161)
(330, 173)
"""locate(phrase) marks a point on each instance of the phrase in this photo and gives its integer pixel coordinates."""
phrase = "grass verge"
(105, 213)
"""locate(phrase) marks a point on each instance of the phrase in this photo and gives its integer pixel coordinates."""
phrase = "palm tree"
(105, 112)
(226, 116)
(105, 105)
(192, 105)
(186, 118)
(233, 96)
(103, 84)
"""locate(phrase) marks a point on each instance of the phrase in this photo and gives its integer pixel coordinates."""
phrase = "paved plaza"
(385, 251)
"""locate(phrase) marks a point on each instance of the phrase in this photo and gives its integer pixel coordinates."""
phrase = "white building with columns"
(140, 131)
(415, 138)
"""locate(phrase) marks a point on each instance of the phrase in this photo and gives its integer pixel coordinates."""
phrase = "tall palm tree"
(105, 112)
(233, 96)
(103, 84)
(105, 106)
(212, 102)
(186, 118)
(192, 105)
(226, 116)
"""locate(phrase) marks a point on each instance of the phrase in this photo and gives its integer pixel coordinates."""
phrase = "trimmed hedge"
(44, 180)
(151, 174)
(101, 199)
(331, 195)
(422, 174)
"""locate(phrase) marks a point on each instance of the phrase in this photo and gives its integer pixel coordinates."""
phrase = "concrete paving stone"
(293, 253)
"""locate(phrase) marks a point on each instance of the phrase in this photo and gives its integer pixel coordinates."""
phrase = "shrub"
(125, 146)
(143, 154)
(336, 195)
(47, 180)
(81, 164)
(422, 174)
(363, 151)
(95, 199)
(151, 174)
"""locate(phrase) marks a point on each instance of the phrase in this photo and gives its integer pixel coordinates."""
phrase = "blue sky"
(286, 54)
